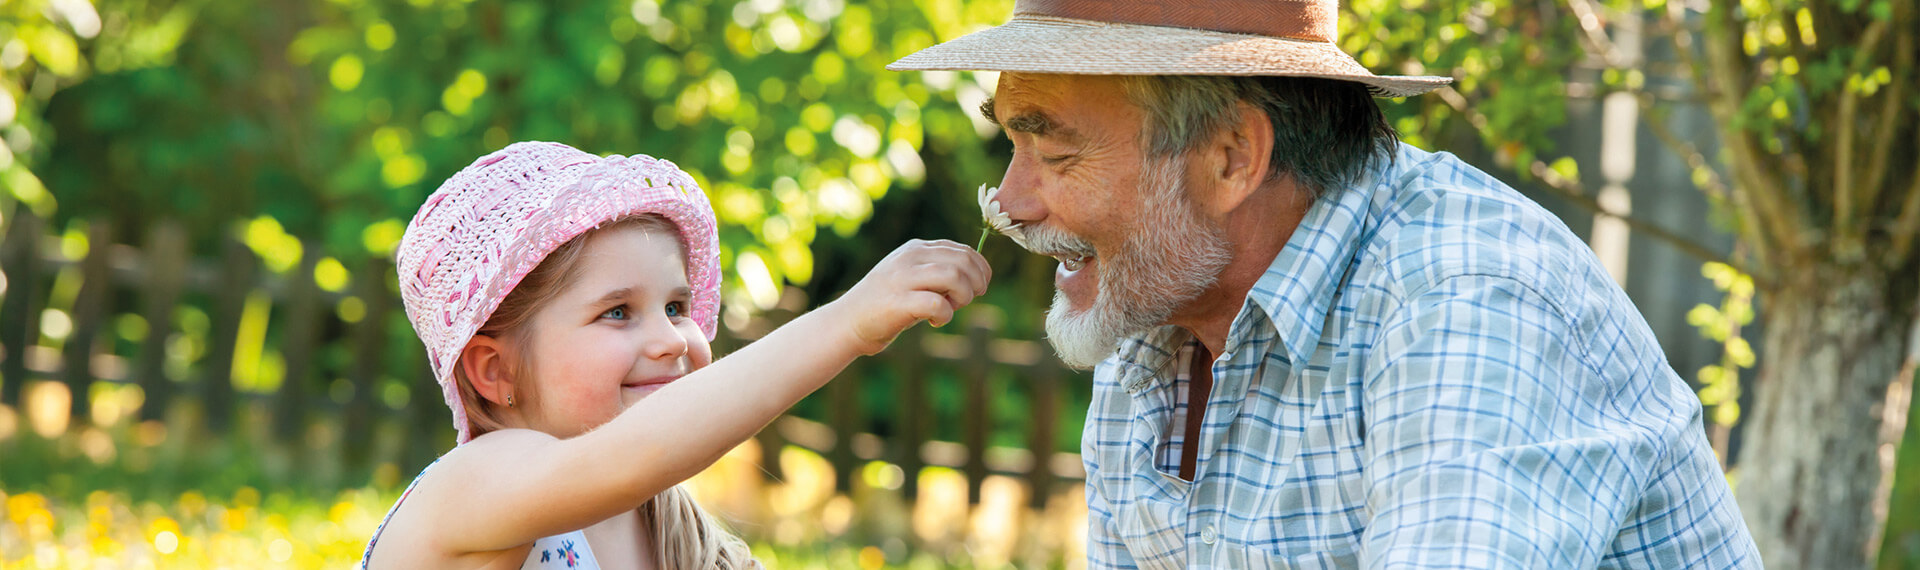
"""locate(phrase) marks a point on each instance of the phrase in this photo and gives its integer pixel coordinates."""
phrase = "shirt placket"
(1211, 483)
(1153, 525)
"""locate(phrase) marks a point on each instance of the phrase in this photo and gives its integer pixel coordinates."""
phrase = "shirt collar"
(1301, 284)
(1145, 355)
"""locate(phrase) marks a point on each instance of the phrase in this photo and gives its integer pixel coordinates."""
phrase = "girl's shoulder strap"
(367, 556)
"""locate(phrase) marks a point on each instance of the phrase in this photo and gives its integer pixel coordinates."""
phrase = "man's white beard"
(1172, 257)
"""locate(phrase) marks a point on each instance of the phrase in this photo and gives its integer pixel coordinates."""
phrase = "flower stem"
(983, 238)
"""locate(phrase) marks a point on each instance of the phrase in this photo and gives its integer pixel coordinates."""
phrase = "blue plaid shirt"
(1434, 373)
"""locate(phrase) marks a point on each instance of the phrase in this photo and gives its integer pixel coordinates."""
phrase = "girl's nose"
(661, 340)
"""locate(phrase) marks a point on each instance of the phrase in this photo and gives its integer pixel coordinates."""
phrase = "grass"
(127, 494)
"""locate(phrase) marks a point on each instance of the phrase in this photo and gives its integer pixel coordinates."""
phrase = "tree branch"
(1595, 33)
(1891, 111)
(1796, 42)
(1714, 186)
(1760, 192)
(1682, 36)
(1908, 225)
(1847, 116)
(1572, 191)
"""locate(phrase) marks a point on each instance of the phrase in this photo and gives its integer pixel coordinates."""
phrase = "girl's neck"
(624, 541)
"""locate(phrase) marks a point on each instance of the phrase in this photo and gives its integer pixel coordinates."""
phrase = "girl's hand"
(922, 280)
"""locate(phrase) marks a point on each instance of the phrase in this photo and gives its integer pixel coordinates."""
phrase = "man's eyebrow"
(1037, 124)
(1033, 122)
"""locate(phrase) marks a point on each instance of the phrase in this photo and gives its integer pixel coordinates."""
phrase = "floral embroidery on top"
(565, 553)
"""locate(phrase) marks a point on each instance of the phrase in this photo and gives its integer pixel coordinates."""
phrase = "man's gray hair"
(1326, 132)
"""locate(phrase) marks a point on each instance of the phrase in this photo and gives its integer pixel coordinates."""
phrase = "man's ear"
(485, 362)
(1236, 159)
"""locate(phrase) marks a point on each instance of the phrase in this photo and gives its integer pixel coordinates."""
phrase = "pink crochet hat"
(495, 220)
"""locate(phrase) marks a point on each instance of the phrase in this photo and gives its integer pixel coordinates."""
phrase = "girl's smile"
(642, 388)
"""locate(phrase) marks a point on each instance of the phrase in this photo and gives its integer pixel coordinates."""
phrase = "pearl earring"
(509, 400)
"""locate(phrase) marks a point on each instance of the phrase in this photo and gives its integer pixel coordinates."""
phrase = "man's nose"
(1020, 191)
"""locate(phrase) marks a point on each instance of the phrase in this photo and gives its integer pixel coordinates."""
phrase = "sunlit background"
(206, 365)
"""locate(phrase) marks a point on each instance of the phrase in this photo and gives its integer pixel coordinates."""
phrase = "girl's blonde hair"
(684, 535)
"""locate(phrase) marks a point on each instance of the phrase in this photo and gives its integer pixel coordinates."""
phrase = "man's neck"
(1256, 232)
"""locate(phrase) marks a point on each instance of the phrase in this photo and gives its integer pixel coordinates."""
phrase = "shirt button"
(1207, 535)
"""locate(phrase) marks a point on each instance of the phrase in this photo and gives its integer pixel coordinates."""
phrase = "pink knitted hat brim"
(490, 224)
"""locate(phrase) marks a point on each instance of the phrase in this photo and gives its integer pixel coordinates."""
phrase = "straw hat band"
(1296, 19)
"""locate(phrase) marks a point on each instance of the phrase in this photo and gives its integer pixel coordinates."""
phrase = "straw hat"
(1165, 37)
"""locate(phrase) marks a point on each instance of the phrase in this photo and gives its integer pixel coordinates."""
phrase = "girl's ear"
(485, 362)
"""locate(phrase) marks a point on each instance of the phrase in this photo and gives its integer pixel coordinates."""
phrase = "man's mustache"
(1055, 242)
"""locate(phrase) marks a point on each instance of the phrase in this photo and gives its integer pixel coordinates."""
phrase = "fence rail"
(61, 319)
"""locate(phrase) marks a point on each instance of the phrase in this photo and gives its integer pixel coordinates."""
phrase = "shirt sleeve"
(1491, 439)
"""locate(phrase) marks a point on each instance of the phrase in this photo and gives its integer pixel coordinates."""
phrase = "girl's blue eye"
(616, 313)
(676, 309)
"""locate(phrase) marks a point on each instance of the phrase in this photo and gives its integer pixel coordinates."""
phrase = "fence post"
(89, 308)
(912, 412)
(290, 403)
(20, 314)
(369, 342)
(843, 403)
(978, 370)
(429, 421)
(769, 439)
(166, 266)
(1045, 383)
(771, 442)
(229, 301)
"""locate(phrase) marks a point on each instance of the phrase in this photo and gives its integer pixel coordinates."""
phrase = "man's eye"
(616, 313)
(676, 309)
(1055, 159)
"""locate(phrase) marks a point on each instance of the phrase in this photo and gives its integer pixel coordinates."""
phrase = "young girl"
(566, 302)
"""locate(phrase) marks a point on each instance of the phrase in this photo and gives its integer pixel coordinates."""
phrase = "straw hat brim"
(1044, 44)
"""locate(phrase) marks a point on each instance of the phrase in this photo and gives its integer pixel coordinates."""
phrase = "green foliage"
(1511, 61)
(1720, 383)
(331, 121)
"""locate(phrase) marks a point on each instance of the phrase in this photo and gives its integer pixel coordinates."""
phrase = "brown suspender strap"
(1314, 20)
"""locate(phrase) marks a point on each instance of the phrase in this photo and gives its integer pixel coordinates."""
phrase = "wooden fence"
(251, 310)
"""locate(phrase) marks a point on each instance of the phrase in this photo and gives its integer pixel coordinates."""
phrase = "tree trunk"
(1811, 470)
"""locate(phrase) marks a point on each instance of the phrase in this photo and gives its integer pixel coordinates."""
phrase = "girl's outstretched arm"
(515, 486)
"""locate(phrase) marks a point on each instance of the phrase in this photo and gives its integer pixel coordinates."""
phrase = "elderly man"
(1315, 346)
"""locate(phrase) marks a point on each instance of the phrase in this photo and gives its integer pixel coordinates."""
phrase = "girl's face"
(617, 333)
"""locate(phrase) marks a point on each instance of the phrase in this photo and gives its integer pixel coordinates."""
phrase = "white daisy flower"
(997, 220)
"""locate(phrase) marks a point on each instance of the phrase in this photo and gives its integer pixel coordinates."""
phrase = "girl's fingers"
(975, 267)
(952, 282)
(933, 307)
